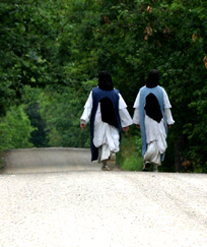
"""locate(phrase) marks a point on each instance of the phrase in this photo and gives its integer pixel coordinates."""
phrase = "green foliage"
(39, 135)
(171, 37)
(61, 46)
(130, 157)
(29, 47)
(62, 115)
(15, 129)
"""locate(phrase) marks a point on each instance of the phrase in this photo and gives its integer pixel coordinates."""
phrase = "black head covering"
(152, 108)
(152, 79)
(105, 81)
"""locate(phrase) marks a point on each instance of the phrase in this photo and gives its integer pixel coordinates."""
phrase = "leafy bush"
(130, 156)
(65, 44)
(62, 112)
(15, 129)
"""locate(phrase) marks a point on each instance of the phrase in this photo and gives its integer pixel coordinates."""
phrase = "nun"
(107, 112)
(152, 115)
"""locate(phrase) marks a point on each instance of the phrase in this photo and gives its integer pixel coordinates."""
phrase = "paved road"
(38, 160)
(89, 207)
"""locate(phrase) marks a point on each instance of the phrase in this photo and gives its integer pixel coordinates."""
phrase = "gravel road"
(78, 205)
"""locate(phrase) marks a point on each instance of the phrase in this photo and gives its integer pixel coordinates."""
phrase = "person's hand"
(138, 126)
(82, 126)
(125, 128)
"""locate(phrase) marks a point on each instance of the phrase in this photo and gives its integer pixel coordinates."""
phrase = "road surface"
(59, 198)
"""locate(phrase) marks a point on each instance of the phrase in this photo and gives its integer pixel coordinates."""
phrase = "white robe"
(106, 136)
(155, 132)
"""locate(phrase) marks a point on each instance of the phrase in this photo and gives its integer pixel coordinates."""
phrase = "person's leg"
(146, 166)
(105, 166)
(152, 155)
(156, 160)
(113, 143)
(155, 168)
(112, 161)
(104, 154)
(113, 157)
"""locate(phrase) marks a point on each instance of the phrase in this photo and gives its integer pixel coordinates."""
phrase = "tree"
(129, 38)
(61, 46)
(15, 129)
(29, 48)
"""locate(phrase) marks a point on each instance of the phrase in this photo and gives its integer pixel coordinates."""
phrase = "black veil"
(152, 79)
(105, 81)
(107, 109)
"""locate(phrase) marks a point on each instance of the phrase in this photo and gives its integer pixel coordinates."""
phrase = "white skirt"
(106, 137)
(156, 140)
(152, 154)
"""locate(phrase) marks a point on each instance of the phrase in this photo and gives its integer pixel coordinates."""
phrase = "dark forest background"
(53, 50)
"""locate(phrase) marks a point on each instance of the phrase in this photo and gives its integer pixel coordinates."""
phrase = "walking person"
(108, 115)
(152, 115)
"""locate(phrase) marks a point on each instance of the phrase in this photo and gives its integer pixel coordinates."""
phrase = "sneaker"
(146, 167)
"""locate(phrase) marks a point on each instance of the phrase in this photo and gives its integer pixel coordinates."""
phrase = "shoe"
(112, 157)
(146, 167)
(105, 167)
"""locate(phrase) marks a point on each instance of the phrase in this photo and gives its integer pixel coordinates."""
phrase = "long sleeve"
(136, 116)
(136, 110)
(166, 100)
(87, 110)
(125, 118)
(168, 116)
(123, 112)
(167, 106)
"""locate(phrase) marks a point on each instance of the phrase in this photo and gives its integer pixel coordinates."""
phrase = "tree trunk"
(179, 148)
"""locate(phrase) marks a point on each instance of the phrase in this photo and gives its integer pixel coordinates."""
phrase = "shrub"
(130, 157)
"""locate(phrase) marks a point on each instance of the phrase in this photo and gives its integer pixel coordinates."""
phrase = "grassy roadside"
(129, 157)
(1, 160)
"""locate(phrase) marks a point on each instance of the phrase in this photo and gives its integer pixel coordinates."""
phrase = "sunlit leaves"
(148, 31)
(205, 61)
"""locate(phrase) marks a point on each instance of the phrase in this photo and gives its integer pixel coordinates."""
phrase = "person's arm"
(136, 118)
(136, 111)
(167, 109)
(82, 124)
(168, 116)
(125, 118)
(87, 112)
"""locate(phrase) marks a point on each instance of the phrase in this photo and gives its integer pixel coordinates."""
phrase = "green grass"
(132, 163)
(1, 162)
(2, 158)
(129, 157)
